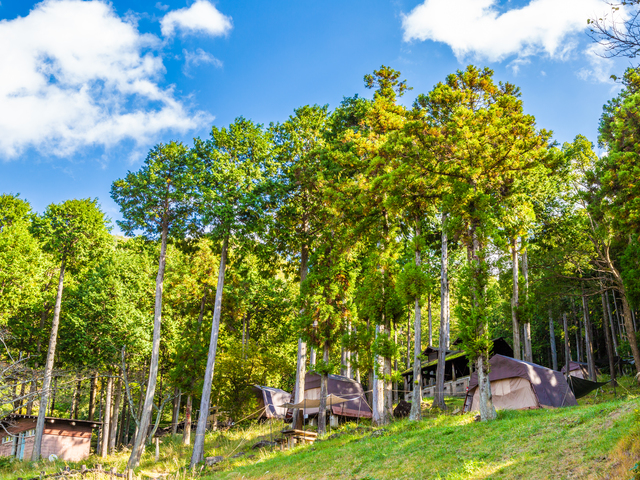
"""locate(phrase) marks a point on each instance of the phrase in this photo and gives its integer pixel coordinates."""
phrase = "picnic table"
(294, 436)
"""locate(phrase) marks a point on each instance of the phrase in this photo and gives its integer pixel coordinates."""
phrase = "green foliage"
(75, 232)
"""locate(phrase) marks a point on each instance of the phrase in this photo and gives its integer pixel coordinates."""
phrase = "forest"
(343, 241)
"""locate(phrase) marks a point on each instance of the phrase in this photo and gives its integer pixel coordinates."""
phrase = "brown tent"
(579, 369)
(340, 386)
(517, 385)
(270, 399)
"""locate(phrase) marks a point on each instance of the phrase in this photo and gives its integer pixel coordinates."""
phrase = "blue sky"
(87, 87)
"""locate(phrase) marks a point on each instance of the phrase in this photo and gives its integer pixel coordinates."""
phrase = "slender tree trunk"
(409, 339)
(75, 401)
(552, 336)
(92, 396)
(416, 401)
(621, 325)
(175, 418)
(186, 432)
(395, 368)
(611, 322)
(528, 350)
(301, 361)
(322, 410)
(430, 319)
(106, 426)
(443, 342)
(378, 417)
(578, 331)
(54, 390)
(587, 336)
(349, 372)
(487, 410)
(114, 418)
(124, 425)
(629, 326)
(607, 337)
(515, 299)
(198, 444)
(145, 415)
(53, 339)
(567, 345)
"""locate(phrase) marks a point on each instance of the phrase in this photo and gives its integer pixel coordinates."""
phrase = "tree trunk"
(322, 409)
(106, 426)
(75, 400)
(607, 338)
(621, 325)
(487, 410)
(301, 361)
(92, 396)
(395, 368)
(114, 418)
(145, 415)
(378, 417)
(429, 317)
(198, 444)
(552, 337)
(416, 401)
(587, 336)
(528, 350)
(54, 390)
(175, 418)
(578, 331)
(443, 342)
(409, 339)
(186, 432)
(515, 299)
(48, 370)
(629, 326)
(611, 323)
(349, 372)
(124, 425)
(567, 345)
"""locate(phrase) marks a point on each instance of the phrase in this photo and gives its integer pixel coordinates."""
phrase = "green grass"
(598, 439)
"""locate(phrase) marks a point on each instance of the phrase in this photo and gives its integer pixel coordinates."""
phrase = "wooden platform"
(295, 436)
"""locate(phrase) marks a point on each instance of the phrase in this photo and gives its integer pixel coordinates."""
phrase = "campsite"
(361, 240)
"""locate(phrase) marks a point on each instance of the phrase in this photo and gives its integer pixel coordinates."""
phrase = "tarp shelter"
(581, 386)
(315, 403)
(271, 400)
(340, 386)
(518, 385)
(578, 369)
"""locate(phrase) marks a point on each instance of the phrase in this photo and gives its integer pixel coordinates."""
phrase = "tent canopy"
(339, 386)
(581, 386)
(550, 387)
(271, 398)
(315, 403)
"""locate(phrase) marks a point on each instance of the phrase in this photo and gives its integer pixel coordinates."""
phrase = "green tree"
(74, 232)
(157, 201)
(235, 176)
(493, 143)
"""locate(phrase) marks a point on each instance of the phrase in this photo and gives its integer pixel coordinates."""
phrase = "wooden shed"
(67, 438)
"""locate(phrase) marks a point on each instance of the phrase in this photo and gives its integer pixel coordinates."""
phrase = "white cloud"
(197, 58)
(200, 18)
(76, 74)
(600, 68)
(477, 27)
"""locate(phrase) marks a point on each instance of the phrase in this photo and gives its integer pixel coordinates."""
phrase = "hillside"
(591, 441)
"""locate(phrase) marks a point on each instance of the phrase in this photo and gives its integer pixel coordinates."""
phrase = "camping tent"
(340, 386)
(271, 398)
(517, 385)
(578, 369)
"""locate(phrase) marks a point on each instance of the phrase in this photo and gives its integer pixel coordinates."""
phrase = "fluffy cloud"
(200, 18)
(76, 74)
(477, 27)
(197, 58)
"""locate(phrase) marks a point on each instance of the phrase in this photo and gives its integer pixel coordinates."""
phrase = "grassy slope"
(599, 438)
(565, 443)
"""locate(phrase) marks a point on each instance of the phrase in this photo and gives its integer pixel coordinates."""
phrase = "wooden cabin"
(66, 438)
(456, 370)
